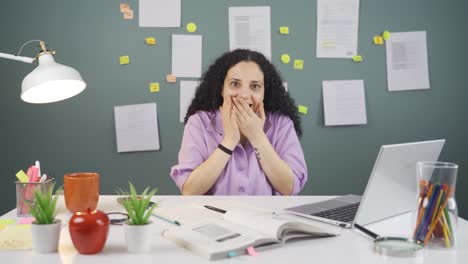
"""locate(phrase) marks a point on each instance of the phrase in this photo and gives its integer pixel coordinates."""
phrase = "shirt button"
(241, 189)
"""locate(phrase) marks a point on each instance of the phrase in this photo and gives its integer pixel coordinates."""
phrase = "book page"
(274, 226)
(261, 221)
(215, 238)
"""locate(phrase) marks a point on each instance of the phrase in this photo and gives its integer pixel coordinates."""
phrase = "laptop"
(390, 191)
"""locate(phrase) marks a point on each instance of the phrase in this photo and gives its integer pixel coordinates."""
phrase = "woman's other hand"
(250, 121)
(230, 127)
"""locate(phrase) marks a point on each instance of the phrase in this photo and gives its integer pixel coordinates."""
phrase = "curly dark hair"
(208, 94)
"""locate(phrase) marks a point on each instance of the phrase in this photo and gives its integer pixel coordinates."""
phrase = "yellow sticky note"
(386, 35)
(285, 58)
(124, 60)
(150, 41)
(191, 27)
(298, 64)
(7, 222)
(154, 87)
(284, 30)
(22, 177)
(171, 78)
(302, 109)
(357, 58)
(378, 40)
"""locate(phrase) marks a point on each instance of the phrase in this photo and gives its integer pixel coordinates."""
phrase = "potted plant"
(45, 229)
(139, 209)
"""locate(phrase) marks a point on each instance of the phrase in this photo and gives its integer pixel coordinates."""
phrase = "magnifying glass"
(393, 246)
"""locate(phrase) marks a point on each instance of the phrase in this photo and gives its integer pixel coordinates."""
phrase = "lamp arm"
(21, 58)
(17, 58)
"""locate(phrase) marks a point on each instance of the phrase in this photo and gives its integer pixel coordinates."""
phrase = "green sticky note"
(302, 109)
(22, 177)
(357, 58)
(386, 34)
(284, 30)
(298, 64)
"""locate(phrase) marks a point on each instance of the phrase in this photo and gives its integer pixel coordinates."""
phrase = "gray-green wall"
(79, 134)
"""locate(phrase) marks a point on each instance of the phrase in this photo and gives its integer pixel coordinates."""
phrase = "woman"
(241, 132)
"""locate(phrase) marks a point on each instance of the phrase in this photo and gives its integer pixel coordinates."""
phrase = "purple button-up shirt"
(243, 174)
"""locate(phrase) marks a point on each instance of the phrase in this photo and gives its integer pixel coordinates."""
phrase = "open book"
(237, 231)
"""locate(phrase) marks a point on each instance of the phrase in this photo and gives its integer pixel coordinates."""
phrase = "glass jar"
(436, 214)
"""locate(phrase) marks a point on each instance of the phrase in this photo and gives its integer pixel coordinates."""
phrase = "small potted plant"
(139, 209)
(45, 229)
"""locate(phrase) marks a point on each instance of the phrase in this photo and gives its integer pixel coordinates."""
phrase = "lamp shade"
(51, 82)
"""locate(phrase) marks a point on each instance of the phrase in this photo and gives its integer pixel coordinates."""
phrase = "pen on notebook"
(215, 209)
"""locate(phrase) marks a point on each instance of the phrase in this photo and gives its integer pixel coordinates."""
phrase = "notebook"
(391, 189)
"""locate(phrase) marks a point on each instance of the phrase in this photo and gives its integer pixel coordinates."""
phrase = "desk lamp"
(50, 81)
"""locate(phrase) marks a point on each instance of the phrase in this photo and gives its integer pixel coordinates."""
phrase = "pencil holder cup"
(436, 213)
(25, 195)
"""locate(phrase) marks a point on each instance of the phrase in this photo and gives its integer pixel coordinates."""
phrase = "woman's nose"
(244, 93)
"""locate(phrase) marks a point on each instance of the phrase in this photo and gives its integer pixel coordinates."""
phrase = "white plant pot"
(138, 237)
(45, 238)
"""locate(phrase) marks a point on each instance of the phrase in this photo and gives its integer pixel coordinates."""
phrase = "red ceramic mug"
(81, 191)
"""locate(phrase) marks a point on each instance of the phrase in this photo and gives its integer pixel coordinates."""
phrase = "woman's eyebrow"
(234, 79)
(255, 81)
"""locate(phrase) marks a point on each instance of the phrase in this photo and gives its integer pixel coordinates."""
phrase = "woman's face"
(245, 80)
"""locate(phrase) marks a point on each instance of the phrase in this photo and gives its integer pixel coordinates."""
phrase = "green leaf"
(43, 209)
(137, 205)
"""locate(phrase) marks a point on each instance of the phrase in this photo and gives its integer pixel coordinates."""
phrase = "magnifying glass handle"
(366, 231)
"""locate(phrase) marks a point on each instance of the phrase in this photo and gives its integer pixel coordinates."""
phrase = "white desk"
(350, 247)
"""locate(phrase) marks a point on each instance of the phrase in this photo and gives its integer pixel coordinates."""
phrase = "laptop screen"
(392, 186)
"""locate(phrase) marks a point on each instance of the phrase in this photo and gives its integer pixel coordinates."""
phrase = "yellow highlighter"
(22, 177)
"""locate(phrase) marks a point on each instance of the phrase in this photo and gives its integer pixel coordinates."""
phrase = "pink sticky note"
(25, 220)
(251, 251)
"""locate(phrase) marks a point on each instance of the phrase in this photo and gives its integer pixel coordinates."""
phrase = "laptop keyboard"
(344, 214)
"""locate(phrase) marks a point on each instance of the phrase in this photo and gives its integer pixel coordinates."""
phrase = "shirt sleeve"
(289, 149)
(193, 151)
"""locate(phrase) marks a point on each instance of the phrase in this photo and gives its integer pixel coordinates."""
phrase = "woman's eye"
(256, 86)
(235, 84)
